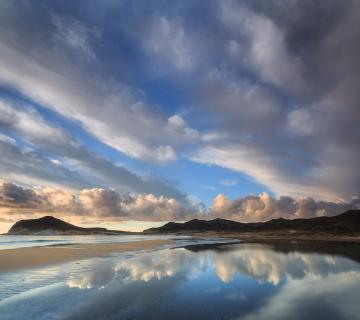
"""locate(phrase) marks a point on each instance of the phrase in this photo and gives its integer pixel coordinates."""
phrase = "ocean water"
(228, 281)
(15, 241)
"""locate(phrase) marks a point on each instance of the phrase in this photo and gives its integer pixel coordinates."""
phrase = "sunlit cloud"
(87, 204)
(110, 205)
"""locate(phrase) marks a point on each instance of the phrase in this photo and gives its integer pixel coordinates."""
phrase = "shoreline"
(22, 258)
(263, 237)
(37, 256)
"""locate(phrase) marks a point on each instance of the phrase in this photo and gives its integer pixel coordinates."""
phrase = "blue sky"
(157, 111)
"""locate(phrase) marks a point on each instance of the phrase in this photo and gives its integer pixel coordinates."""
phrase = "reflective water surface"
(242, 281)
(17, 241)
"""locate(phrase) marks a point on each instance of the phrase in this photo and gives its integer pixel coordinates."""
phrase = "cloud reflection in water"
(246, 280)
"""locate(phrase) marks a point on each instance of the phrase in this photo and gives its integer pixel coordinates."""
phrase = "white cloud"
(207, 187)
(165, 153)
(301, 121)
(177, 127)
(169, 43)
(267, 265)
(158, 265)
(267, 52)
(30, 125)
(300, 299)
(7, 139)
(26, 121)
(257, 164)
(229, 182)
(25, 166)
(115, 114)
(108, 202)
(111, 205)
(95, 203)
(263, 207)
(73, 33)
(56, 161)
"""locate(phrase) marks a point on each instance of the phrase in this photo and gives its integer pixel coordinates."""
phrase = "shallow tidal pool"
(237, 281)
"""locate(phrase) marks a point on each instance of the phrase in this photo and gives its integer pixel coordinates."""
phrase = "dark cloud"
(275, 85)
(285, 93)
(15, 196)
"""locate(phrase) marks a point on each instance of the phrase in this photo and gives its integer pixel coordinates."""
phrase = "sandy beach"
(13, 259)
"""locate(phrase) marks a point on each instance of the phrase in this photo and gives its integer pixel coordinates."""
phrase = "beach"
(20, 258)
(228, 281)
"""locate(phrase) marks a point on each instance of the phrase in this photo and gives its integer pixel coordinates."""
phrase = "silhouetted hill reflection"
(341, 248)
(247, 281)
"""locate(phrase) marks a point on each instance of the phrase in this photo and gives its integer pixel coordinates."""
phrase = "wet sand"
(14, 259)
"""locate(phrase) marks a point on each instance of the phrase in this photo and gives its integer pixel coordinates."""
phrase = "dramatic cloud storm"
(159, 111)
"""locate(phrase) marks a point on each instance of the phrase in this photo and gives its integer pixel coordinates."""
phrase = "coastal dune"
(13, 259)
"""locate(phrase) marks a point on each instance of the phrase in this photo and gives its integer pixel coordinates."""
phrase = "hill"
(345, 223)
(49, 225)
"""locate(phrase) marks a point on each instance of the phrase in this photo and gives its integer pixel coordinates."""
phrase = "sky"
(129, 114)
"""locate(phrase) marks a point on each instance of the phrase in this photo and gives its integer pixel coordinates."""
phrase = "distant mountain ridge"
(49, 225)
(347, 222)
